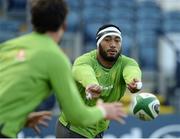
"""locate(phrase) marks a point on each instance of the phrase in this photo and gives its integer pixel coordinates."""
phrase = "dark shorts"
(65, 132)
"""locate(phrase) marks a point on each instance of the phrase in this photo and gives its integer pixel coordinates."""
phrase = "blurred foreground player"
(32, 65)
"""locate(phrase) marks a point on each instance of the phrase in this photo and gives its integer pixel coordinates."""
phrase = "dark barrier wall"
(165, 126)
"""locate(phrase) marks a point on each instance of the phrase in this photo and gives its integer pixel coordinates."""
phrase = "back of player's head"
(105, 30)
(48, 15)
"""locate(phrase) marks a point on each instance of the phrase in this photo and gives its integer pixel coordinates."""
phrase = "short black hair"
(106, 26)
(48, 15)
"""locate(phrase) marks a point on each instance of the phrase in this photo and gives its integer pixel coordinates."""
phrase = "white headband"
(107, 32)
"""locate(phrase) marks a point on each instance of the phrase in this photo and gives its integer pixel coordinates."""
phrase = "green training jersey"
(30, 66)
(87, 70)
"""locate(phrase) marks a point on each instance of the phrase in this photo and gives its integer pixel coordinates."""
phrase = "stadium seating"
(90, 15)
(74, 4)
(74, 16)
(122, 14)
(73, 21)
(9, 25)
(148, 24)
(9, 28)
(1, 3)
(130, 4)
(171, 22)
(6, 36)
(16, 5)
(95, 3)
(95, 13)
(89, 34)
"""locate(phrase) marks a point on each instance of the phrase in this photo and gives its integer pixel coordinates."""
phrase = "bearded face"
(110, 48)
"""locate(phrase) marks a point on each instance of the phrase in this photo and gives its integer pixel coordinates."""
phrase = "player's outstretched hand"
(93, 91)
(113, 111)
(38, 118)
(134, 86)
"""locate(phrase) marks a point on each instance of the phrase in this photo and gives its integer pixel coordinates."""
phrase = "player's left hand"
(38, 118)
(134, 86)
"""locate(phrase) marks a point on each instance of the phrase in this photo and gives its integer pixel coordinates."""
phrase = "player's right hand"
(113, 111)
(134, 86)
(93, 91)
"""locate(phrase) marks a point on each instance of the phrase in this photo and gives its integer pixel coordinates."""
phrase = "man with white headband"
(103, 73)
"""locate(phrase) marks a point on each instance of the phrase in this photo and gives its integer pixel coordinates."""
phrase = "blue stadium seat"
(148, 58)
(4, 36)
(148, 4)
(94, 15)
(171, 15)
(74, 4)
(125, 13)
(149, 16)
(127, 45)
(171, 21)
(73, 21)
(147, 46)
(16, 5)
(147, 38)
(123, 3)
(171, 26)
(17, 9)
(149, 13)
(126, 26)
(1, 3)
(149, 22)
(89, 46)
(95, 3)
(9, 25)
(90, 32)
(148, 25)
